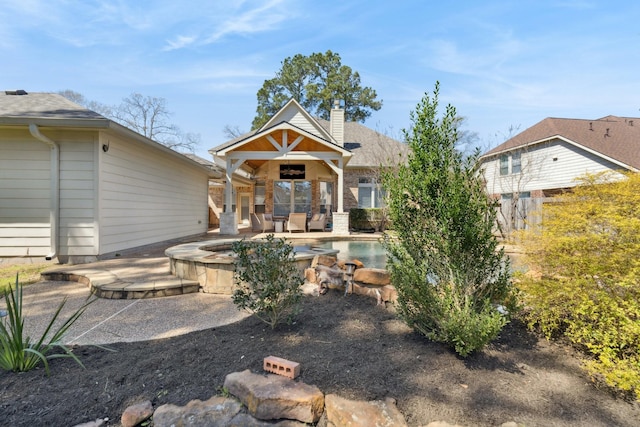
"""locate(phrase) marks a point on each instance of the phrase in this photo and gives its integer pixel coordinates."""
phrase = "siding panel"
(147, 196)
(24, 195)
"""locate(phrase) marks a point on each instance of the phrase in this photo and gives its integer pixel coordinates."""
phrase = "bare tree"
(147, 115)
(232, 132)
(523, 165)
(80, 99)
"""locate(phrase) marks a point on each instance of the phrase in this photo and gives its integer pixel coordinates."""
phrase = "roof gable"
(294, 114)
(611, 137)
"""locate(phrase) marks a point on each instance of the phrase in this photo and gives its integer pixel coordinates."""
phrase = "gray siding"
(147, 196)
(78, 234)
(25, 168)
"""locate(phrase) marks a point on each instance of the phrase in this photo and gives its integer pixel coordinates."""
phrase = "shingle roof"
(369, 147)
(614, 137)
(43, 105)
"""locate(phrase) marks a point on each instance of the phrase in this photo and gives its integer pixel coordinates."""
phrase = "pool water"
(369, 252)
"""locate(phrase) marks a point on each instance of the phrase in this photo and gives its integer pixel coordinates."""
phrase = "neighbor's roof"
(617, 138)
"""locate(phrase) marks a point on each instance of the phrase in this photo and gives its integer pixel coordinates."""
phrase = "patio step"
(106, 284)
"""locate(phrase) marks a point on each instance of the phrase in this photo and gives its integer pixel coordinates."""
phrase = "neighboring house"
(546, 159)
(297, 163)
(75, 185)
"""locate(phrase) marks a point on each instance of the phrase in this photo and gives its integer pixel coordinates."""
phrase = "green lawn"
(27, 274)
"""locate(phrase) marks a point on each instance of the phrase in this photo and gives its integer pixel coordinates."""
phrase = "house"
(299, 164)
(546, 159)
(75, 185)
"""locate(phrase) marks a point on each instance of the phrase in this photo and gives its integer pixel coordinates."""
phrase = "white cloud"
(179, 42)
(262, 18)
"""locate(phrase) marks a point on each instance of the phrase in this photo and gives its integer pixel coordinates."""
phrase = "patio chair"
(256, 225)
(318, 222)
(267, 222)
(297, 222)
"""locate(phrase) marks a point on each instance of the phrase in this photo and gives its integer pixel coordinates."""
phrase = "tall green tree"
(445, 263)
(315, 81)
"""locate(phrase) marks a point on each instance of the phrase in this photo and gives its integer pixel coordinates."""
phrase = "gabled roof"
(294, 113)
(611, 137)
(367, 148)
(252, 136)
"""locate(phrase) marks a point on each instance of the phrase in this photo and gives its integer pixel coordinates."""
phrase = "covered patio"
(296, 167)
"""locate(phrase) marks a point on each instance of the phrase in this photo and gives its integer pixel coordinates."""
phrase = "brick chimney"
(336, 122)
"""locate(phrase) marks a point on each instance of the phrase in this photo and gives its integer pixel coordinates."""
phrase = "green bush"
(368, 219)
(444, 260)
(19, 353)
(585, 257)
(268, 281)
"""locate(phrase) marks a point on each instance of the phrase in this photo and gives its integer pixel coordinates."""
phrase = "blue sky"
(500, 63)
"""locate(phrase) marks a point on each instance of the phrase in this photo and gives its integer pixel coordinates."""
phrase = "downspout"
(54, 213)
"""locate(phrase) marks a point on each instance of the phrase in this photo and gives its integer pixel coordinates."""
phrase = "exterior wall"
(78, 227)
(147, 196)
(553, 165)
(25, 173)
(351, 178)
(216, 202)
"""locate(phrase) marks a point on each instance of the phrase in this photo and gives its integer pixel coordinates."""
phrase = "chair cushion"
(315, 217)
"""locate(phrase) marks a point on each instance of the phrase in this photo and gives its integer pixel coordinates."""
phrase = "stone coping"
(204, 251)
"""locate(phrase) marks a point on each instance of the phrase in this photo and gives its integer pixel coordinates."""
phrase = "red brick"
(280, 366)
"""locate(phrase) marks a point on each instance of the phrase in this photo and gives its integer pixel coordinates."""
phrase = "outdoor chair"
(267, 222)
(297, 222)
(318, 222)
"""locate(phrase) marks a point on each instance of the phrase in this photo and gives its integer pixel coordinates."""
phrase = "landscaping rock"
(217, 411)
(135, 414)
(326, 260)
(246, 420)
(357, 262)
(372, 276)
(273, 397)
(382, 294)
(353, 413)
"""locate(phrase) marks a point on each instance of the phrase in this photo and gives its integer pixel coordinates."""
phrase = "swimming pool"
(369, 252)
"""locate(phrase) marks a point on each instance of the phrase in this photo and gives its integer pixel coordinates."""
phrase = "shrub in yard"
(268, 281)
(20, 353)
(586, 256)
(445, 263)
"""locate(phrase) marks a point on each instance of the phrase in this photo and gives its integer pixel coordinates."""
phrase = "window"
(370, 193)
(521, 195)
(291, 196)
(515, 163)
(504, 164)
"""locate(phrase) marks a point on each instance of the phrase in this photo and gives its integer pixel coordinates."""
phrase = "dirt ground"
(347, 346)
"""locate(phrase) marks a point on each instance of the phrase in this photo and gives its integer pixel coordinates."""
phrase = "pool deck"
(145, 272)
